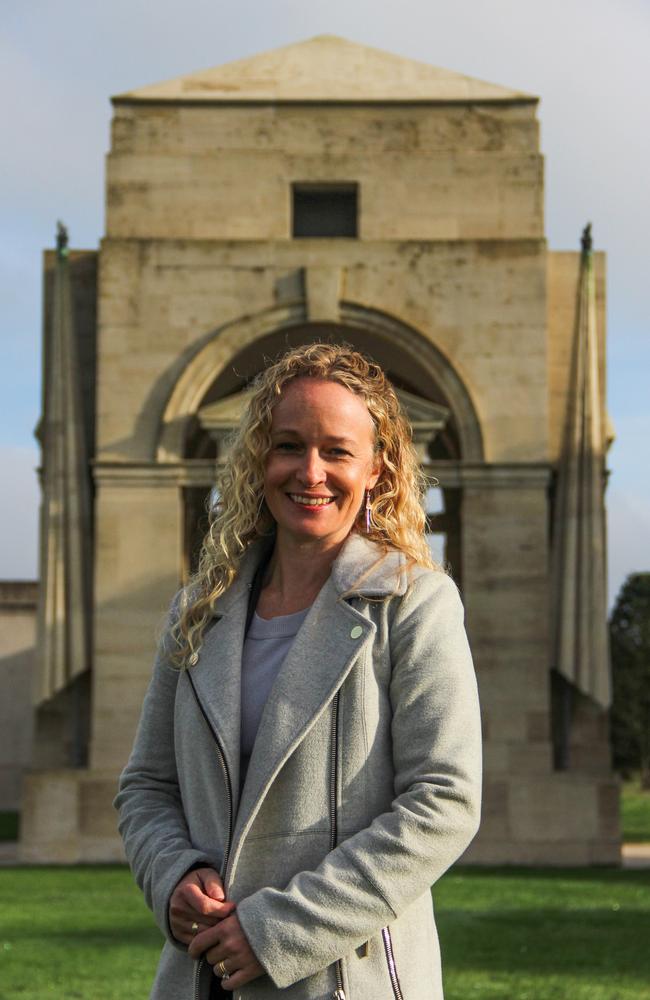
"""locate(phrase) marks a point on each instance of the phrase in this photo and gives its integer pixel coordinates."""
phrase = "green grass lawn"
(545, 934)
(635, 812)
(85, 934)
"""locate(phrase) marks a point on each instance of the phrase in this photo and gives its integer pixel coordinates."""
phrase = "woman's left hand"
(227, 943)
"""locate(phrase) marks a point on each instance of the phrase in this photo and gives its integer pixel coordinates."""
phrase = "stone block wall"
(198, 268)
(18, 599)
(425, 172)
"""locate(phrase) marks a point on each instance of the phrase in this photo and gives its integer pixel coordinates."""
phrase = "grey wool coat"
(363, 786)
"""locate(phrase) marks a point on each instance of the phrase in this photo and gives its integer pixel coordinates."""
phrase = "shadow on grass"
(602, 875)
(149, 937)
(548, 941)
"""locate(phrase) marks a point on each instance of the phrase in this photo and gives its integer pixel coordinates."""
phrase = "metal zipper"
(390, 960)
(339, 992)
(334, 835)
(198, 966)
(226, 854)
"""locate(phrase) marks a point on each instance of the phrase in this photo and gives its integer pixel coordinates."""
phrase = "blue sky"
(586, 59)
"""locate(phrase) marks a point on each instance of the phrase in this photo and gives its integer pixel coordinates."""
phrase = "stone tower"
(328, 190)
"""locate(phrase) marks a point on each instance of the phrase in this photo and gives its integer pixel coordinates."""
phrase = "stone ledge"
(68, 818)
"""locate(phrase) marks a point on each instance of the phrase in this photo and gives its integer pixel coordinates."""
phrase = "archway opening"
(431, 411)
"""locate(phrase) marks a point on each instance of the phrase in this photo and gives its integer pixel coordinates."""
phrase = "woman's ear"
(377, 469)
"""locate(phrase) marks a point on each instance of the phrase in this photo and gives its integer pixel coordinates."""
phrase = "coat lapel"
(217, 681)
(322, 654)
(217, 675)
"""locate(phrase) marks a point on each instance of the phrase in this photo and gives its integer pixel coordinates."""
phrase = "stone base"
(557, 819)
(544, 853)
(68, 818)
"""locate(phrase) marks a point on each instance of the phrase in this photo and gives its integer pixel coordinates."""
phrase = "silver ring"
(194, 928)
(223, 971)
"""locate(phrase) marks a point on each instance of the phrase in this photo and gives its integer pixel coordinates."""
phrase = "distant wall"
(18, 600)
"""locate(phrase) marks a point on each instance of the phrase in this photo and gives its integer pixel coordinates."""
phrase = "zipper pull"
(338, 995)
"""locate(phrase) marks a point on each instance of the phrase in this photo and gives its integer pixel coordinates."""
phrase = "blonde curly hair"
(397, 518)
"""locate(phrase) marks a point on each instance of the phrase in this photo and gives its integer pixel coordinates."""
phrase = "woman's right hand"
(197, 902)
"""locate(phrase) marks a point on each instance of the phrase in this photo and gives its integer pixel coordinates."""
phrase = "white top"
(266, 646)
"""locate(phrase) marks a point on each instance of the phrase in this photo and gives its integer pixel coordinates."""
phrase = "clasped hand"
(199, 900)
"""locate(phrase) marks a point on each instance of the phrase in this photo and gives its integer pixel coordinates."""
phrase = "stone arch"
(395, 336)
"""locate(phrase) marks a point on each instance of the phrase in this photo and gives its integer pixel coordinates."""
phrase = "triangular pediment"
(224, 415)
(323, 69)
(425, 417)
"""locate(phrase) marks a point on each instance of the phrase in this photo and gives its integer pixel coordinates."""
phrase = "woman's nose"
(311, 469)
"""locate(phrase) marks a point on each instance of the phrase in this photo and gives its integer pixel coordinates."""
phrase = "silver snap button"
(356, 632)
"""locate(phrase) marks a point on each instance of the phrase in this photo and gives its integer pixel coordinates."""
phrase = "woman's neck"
(294, 577)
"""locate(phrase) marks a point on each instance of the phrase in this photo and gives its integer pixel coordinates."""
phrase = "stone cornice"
(451, 474)
(490, 475)
(195, 472)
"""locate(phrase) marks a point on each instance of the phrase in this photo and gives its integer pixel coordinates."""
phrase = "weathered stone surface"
(562, 276)
(479, 305)
(327, 68)
(17, 661)
(68, 818)
(450, 286)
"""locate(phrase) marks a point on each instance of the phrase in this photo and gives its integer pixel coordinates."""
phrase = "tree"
(629, 628)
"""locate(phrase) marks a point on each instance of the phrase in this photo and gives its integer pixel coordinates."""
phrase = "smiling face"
(321, 462)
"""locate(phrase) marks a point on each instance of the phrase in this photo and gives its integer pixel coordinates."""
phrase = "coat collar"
(362, 569)
(329, 638)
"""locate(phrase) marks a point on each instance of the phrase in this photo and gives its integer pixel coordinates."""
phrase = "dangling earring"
(368, 512)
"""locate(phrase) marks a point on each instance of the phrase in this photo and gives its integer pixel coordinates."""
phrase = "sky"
(586, 59)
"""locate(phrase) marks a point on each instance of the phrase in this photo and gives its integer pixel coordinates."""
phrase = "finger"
(182, 909)
(181, 927)
(205, 939)
(212, 884)
(210, 911)
(195, 928)
(185, 932)
(225, 951)
(244, 968)
(237, 979)
(228, 982)
(198, 903)
(223, 967)
(182, 920)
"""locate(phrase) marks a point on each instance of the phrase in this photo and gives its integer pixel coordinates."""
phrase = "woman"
(308, 759)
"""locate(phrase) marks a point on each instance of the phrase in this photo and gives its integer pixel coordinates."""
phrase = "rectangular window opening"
(324, 210)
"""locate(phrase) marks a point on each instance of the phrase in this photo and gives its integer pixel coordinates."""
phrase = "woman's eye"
(286, 446)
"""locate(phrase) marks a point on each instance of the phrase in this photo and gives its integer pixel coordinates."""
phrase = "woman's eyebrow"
(330, 438)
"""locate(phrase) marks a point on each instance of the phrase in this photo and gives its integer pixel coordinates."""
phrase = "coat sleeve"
(151, 818)
(370, 878)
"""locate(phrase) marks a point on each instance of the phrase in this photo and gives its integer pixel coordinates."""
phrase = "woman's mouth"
(305, 501)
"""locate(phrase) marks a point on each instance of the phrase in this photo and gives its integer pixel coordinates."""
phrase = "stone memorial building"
(329, 191)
